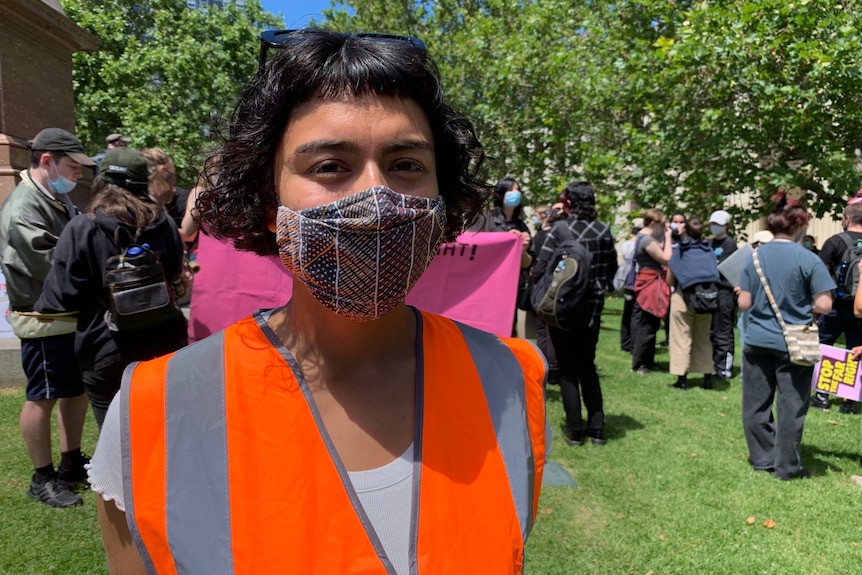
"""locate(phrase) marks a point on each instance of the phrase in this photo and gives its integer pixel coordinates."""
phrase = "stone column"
(37, 41)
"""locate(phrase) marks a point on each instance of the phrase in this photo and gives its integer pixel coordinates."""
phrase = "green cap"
(127, 168)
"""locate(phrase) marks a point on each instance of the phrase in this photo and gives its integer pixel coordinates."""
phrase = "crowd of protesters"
(360, 400)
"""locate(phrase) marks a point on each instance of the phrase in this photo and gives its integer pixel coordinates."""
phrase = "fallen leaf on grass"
(693, 454)
(721, 415)
(547, 511)
(750, 520)
(832, 422)
(857, 479)
(621, 515)
(769, 523)
(661, 537)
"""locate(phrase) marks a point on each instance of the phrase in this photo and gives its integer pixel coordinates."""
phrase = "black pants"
(774, 438)
(543, 342)
(102, 382)
(576, 358)
(644, 327)
(626, 340)
(721, 333)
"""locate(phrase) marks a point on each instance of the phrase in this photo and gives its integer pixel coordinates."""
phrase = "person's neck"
(336, 345)
(854, 228)
(783, 238)
(39, 177)
(508, 212)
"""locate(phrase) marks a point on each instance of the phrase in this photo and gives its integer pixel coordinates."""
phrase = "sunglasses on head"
(277, 39)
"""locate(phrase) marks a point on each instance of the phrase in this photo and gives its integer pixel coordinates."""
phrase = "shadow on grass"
(618, 425)
(818, 461)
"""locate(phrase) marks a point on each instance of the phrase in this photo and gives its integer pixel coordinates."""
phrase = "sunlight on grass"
(670, 493)
(672, 490)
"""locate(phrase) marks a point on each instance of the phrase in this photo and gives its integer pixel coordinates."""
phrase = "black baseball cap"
(127, 168)
(59, 140)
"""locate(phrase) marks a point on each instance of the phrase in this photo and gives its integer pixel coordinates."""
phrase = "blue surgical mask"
(512, 199)
(536, 220)
(674, 226)
(61, 185)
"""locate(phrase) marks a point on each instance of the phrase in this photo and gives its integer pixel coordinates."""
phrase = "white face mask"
(716, 229)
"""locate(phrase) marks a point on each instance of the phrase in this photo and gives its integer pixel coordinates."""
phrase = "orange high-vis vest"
(227, 467)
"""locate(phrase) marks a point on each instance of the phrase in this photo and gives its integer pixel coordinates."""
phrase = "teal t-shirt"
(795, 275)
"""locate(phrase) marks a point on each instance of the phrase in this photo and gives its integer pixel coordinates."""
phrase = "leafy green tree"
(670, 103)
(163, 74)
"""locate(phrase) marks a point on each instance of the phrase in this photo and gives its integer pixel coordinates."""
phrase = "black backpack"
(558, 295)
(701, 297)
(846, 275)
(139, 295)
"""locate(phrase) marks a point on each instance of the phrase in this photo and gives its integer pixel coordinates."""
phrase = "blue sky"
(296, 13)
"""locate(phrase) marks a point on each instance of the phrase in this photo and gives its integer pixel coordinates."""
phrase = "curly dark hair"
(581, 199)
(314, 63)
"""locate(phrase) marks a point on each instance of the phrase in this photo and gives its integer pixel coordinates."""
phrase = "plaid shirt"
(597, 238)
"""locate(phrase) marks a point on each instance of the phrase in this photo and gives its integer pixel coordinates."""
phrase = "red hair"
(788, 216)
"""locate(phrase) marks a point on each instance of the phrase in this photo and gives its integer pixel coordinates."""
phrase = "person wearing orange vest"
(344, 432)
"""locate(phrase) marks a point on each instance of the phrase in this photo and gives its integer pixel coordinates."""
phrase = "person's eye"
(408, 166)
(327, 167)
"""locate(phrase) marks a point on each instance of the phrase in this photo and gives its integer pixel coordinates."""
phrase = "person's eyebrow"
(409, 144)
(315, 146)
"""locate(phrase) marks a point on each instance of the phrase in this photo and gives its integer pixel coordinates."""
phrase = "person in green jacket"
(31, 220)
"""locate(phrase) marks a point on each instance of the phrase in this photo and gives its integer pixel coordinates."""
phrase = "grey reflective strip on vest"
(503, 383)
(196, 456)
(196, 382)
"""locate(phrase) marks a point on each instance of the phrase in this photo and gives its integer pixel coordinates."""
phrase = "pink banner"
(837, 373)
(474, 281)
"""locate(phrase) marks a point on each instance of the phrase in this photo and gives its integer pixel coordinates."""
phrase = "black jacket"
(76, 282)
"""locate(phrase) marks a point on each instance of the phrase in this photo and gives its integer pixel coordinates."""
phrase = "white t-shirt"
(385, 493)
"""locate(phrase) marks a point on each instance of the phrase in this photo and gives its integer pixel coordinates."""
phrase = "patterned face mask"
(359, 256)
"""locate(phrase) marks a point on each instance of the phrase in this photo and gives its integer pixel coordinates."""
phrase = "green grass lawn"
(670, 493)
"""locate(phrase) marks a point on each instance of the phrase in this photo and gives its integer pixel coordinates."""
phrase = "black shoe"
(681, 383)
(643, 371)
(802, 474)
(597, 436)
(573, 438)
(707, 381)
(846, 407)
(820, 401)
(76, 475)
(53, 492)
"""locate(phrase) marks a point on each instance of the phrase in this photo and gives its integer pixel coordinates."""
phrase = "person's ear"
(45, 160)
